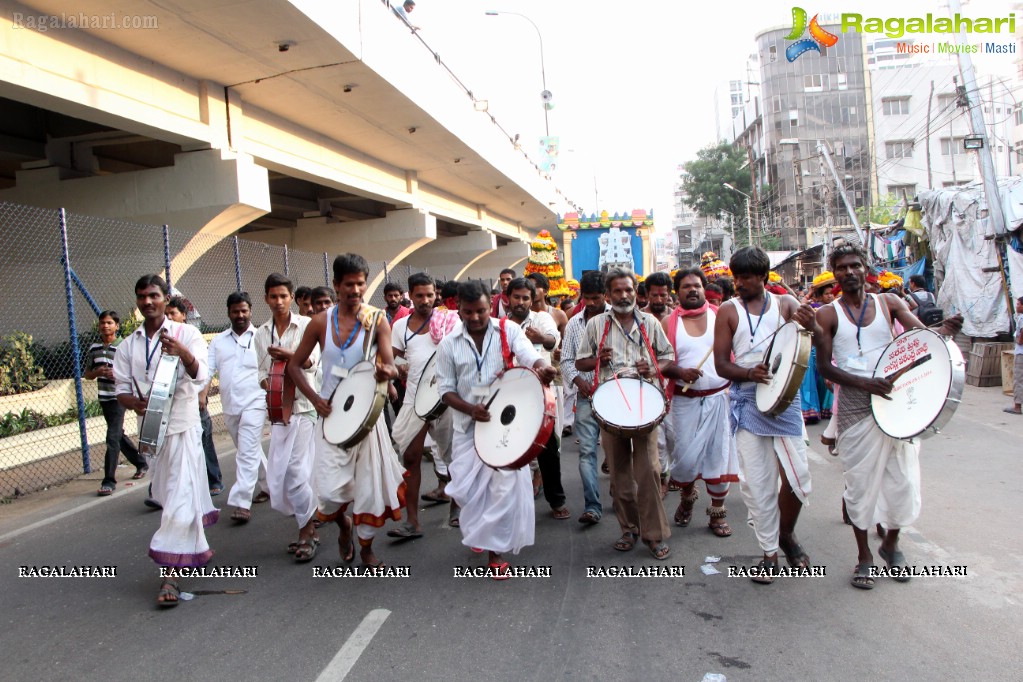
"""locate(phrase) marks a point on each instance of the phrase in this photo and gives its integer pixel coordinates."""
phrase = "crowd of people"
(693, 349)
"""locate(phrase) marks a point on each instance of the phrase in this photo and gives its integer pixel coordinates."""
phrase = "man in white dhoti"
(699, 407)
(882, 474)
(233, 357)
(177, 469)
(416, 338)
(497, 504)
(366, 476)
(766, 445)
(292, 445)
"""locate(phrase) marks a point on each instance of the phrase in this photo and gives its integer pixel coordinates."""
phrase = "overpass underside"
(352, 139)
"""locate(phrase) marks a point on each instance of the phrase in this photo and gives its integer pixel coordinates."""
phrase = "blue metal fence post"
(166, 254)
(287, 269)
(73, 333)
(237, 265)
(326, 271)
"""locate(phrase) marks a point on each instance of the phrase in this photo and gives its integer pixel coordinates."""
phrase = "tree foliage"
(883, 212)
(703, 180)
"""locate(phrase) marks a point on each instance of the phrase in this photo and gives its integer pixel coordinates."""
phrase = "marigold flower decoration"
(543, 258)
(888, 280)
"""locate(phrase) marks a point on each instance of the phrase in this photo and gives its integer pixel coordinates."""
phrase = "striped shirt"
(575, 332)
(626, 348)
(98, 356)
(463, 370)
(266, 336)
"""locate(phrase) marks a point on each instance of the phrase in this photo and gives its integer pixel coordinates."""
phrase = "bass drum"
(522, 415)
(428, 404)
(929, 375)
(355, 406)
(786, 358)
(629, 406)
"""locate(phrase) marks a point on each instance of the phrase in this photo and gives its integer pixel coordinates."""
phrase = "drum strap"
(887, 313)
(600, 346)
(506, 354)
(650, 349)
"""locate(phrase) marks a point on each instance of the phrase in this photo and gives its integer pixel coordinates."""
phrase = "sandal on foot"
(500, 570)
(862, 577)
(105, 490)
(626, 542)
(293, 546)
(453, 515)
(262, 497)
(305, 550)
(718, 525)
(216, 490)
(379, 564)
(1009, 410)
(350, 555)
(604, 468)
(140, 473)
(405, 531)
(561, 513)
(589, 518)
(435, 496)
(897, 567)
(684, 512)
(659, 550)
(169, 594)
(241, 515)
(795, 554)
(763, 572)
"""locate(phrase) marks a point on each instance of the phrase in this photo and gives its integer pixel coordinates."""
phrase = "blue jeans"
(589, 436)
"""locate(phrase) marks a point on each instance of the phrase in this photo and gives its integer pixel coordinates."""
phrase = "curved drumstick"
(624, 397)
(492, 399)
(705, 356)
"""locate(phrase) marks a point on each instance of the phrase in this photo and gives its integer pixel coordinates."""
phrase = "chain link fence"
(49, 313)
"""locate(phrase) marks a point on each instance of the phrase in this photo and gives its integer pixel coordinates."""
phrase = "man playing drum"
(882, 474)
(658, 296)
(292, 445)
(626, 342)
(177, 469)
(542, 331)
(700, 411)
(367, 475)
(416, 338)
(497, 506)
(743, 331)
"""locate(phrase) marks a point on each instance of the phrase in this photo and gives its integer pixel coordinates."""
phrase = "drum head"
(619, 403)
(428, 391)
(516, 416)
(351, 404)
(921, 391)
(781, 361)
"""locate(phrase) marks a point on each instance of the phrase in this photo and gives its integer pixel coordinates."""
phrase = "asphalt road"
(287, 624)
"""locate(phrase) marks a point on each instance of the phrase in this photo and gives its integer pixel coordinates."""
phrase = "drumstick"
(615, 375)
(492, 399)
(138, 388)
(705, 356)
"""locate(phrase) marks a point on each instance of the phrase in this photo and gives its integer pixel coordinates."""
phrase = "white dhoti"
(759, 459)
(408, 425)
(666, 443)
(290, 466)
(246, 431)
(882, 476)
(179, 483)
(568, 413)
(367, 475)
(707, 450)
(497, 504)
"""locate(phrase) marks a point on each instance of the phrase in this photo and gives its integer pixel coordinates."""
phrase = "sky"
(633, 82)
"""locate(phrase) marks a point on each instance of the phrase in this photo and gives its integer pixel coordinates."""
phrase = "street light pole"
(544, 95)
(749, 220)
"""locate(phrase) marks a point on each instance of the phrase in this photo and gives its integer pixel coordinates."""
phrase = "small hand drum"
(355, 406)
(428, 403)
(787, 359)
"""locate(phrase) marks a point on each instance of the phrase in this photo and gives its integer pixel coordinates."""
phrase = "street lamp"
(749, 221)
(545, 95)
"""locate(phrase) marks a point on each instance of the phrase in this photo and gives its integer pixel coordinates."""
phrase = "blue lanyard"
(859, 321)
(150, 354)
(749, 320)
(337, 329)
(479, 359)
(416, 333)
(246, 347)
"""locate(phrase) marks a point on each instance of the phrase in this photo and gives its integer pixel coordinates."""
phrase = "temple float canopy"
(588, 241)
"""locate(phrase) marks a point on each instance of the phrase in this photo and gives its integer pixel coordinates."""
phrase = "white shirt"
(131, 367)
(233, 357)
(545, 324)
(462, 370)
(266, 336)
(417, 348)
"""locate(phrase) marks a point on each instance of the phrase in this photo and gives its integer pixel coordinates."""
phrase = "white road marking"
(70, 512)
(345, 659)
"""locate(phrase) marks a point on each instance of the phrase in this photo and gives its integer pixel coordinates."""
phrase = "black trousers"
(117, 442)
(550, 472)
(213, 476)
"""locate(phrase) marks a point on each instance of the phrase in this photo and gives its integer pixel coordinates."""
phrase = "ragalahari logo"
(818, 36)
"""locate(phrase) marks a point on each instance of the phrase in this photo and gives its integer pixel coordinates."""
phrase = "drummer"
(629, 342)
(497, 504)
(658, 295)
(766, 445)
(416, 338)
(366, 476)
(882, 474)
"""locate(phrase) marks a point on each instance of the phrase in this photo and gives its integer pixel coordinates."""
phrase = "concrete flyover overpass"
(322, 126)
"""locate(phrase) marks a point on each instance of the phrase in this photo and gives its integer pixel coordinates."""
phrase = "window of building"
(898, 189)
(772, 53)
(946, 101)
(815, 82)
(952, 145)
(960, 183)
(899, 149)
(776, 104)
(1018, 116)
(842, 80)
(793, 117)
(895, 106)
(1019, 152)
